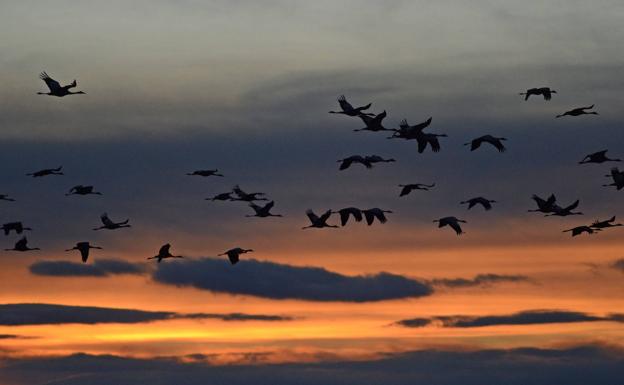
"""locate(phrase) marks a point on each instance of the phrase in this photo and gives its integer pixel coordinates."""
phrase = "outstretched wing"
(106, 220)
(434, 143)
(455, 226)
(325, 216)
(313, 217)
(381, 217)
(572, 206)
(21, 243)
(52, 84)
(164, 249)
(346, 106)
(269, 206)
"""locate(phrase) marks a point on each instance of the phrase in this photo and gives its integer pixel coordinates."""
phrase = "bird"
(598, 157)
(494, 141)
(373, 123)
(234, 254)
(221, 197)
(214, 172)
(486, 203)
(318, 222)
(618, 178)
(22, 245)
(372, 159)
(453, 222)
(406, 131)
(347, 162)
(347, 108)
(263, 211)
(347, 212)
(579, 111)
(564, 211)
(408, 188)
(546, 92)
(47, 171)
(606, 223)
(580, 230)
(164, 253)
(544, 206)
(56, 89)
(110, 225)
(18, 227)
(375, 213)
(84, 247)
(5, 197)
(82, 190)
(247, 197)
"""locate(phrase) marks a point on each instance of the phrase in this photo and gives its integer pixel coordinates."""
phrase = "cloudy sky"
(245, 87)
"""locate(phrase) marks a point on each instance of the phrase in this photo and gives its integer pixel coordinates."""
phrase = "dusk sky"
(245, 87)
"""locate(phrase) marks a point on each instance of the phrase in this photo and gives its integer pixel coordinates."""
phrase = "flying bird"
(373, 123)
(546, 92)
(46, 172)
(408, 188)
(214, 172)
(56, 89)
(618, 178)
(22, 245)
(82, 190)
(263, 211)
(110, 225)
(580, 230)
(5, 197)
(406, 131)
(605, 224)
(347, 108)
(372, 159)
(247, 197)
(579, 111)
(164, 253)
(564, 211)
(375, 213)
(348, 212)
(347, 162)
(221, 197)
(494, 141)
(598, 157)
(84, 247)
(318, 222)
(452, 222)
(18, 227)
(486, 203)
(544, 206)
(234, 254)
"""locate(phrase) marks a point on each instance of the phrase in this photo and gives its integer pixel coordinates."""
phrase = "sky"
(245, 87)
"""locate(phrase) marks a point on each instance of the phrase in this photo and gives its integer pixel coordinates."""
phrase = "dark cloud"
(618, 265)
(581, 365)
(280, 281)
(529, 317)
(479, 280)
(42, 314)
(99, 268)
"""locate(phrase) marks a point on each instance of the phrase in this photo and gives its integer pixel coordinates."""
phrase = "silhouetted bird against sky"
(564, 211)
(247, 197)
(18, 227)
(546, 92)
(580, 230)
(375, 213)
(347, 162)
(598, 157)
(83, 247)
(544, 206)
(234, 254)
(56, 89)
(22, 245)
(110, 225)
(164, 253)
(318, 222)
(618, 178)
(486, 203)
(221, 197)
(349, 212)
(452, 222)
(605, 224)
(496, 142)
(373, 123)
(263, 211)
(46, 172)
(408, 188)
(406, 131)
(82, 190)
(5, 197)
(347, 108)
(372, 159)
(214, 172)
(579, 111)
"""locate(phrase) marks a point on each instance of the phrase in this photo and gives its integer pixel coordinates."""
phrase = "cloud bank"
(99, 268)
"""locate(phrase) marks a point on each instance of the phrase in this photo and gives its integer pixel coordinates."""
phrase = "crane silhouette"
(318, 222)
(46, 172)
(5, 197)
(544, 205)
(18, 227)
(406, 131)
(263, 211)
(578, 230)
(408, 188)
(605, 224)
(247, 197)
(494, 141)
(579, 111)
(375, 213)
(598, 157)
(110, 225)
(235, 253)
(546, 92)
(347, 108)
(84, 248)
(22, 245)
(452, 222)
(618, 178)
(564, 211)
(373, 123)
(205, 173)
(347, 162)
(164, 253)
(486, 203)
(56, 89)
(82, 190)
(348, 212)
(222, 197)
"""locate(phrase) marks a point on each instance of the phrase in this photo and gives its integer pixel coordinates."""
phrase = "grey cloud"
(479, 280)
(99, 268)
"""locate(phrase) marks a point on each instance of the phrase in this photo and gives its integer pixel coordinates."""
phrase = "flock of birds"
(373, 123)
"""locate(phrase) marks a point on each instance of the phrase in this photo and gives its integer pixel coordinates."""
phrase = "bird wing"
(422, 143)
(475, 144)
(455, 226)
(269, 206)
(424, 124)
(586, 108)
(434, 143)
(498, 144)
(52, 84)
(406, 190)
(21, 243)
(572, 206)
(164, 249)
(370, 217)
(379, 117)
(346, 106)
(106, 220)
(313, 217)
(381, 217)
(84, 253)
(551, 200)
(346, 163)
(325, 216)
